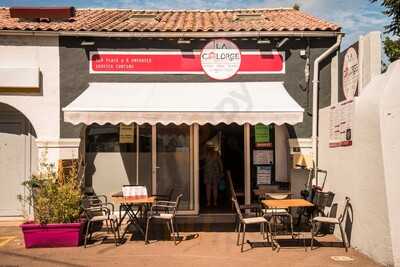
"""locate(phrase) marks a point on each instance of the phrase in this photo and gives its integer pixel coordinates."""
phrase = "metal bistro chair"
(97, 211)
(164, 210)
(251, 220)
(253, 206)
(334, 221)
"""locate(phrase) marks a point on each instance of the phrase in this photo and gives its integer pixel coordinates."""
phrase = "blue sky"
(356, 17)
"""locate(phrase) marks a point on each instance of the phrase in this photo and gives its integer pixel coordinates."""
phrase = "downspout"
(315, 102)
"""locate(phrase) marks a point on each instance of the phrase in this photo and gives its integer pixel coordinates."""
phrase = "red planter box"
(52, 235)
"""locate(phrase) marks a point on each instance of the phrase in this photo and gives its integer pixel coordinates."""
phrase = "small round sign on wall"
(220, 59)
(350, 73)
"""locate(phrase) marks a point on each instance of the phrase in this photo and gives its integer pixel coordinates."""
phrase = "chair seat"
(254, 220)
(103, 218)
(165, 216)
(277, 212)
(325, 220)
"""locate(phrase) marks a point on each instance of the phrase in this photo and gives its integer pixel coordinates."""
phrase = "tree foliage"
(392, 49)
(54, 198)
(392, 10)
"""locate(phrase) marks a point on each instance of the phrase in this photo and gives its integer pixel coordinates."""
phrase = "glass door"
(174, 164)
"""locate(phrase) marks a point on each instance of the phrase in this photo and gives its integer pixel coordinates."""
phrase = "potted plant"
(54, 197)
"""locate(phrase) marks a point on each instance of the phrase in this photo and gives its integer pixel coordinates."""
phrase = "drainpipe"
(315, 102)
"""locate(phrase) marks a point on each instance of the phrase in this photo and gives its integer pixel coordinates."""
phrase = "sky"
(356, 17)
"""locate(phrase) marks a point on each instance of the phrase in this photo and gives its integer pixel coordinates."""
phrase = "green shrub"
(54, 197)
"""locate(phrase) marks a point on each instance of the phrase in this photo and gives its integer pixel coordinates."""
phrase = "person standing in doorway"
(213, 172)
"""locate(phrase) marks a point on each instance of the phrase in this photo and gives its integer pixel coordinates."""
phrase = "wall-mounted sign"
(264, 174)
(220, 59)
(126, 134)
(262, 136)
(341, 124)
(263, 157)
(179, 62)
(350, 73)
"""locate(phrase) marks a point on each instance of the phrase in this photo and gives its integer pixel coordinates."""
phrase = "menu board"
(264, 174)
(134, 191)
(126, 134)
(263, 157)
(262, 135)
(341, 124)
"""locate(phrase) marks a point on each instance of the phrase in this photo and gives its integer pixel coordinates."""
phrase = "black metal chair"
(256, 207)
(333, 221)
(97, 211)
(251, 220)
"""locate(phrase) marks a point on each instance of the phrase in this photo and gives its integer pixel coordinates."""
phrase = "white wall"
(42, 110)
(390, 129)
(367, 171)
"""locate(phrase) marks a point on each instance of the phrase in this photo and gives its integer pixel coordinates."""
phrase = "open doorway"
(227, 142)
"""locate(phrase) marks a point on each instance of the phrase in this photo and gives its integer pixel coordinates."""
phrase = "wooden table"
(285, 204)
(129, 200)
(127, 204)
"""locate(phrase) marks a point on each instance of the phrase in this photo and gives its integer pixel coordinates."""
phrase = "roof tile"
(115, 20)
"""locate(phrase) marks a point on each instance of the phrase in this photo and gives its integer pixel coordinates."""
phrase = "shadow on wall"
(348, 223)
(10, 116)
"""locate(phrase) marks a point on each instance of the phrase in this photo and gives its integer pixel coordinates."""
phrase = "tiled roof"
(119, 20)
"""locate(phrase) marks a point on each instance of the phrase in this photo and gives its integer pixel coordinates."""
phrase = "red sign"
(178, 62)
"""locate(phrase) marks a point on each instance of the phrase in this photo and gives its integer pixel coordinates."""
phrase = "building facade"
(97, 68)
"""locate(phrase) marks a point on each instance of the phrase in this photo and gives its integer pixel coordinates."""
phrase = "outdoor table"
(128, 204)
(285, 204)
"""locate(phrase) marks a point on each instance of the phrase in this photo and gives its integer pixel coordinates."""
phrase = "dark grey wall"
(74, 71)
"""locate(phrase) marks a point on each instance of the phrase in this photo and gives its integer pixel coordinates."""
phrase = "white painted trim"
(11, 77)
(300, 142)
(58, 143)
(335, 79)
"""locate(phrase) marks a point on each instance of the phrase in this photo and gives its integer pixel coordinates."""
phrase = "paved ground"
(201, 249)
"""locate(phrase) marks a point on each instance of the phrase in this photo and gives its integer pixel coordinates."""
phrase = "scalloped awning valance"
(184, 103)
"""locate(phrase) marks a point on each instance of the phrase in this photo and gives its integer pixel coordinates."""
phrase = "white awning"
(188, 103)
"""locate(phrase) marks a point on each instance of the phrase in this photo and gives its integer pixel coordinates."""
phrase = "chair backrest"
(92, 206)
(323, 199)
(345, 209)
(232, 189)
(177, 201)
(239, 213)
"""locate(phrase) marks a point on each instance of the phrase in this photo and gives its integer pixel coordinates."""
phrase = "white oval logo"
(220, 59)
(350, 73)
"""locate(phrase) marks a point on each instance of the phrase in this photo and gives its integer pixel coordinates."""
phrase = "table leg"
(124, 207)
(134, 219)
